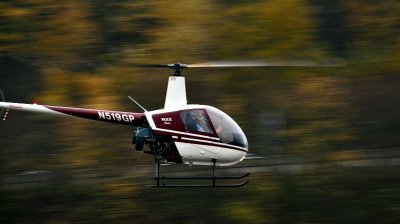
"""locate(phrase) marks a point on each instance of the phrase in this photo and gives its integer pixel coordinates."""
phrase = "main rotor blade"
(253, 63)
(271, 63)
(154, 65)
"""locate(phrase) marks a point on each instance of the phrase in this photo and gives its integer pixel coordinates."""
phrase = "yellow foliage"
(14, 12)
(246, 212)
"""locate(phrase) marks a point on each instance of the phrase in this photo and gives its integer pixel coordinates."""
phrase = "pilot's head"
(198, 116)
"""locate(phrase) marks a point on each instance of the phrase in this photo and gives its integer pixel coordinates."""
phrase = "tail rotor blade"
(2, 96)
(3, 111)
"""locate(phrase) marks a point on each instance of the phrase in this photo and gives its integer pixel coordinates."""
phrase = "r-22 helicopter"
(180, 133)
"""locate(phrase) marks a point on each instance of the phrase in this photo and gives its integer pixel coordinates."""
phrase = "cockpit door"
(198, 127)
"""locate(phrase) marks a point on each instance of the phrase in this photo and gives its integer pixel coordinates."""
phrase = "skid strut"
(213, 178)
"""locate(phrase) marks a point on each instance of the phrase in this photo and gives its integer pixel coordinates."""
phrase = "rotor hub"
(177, 67)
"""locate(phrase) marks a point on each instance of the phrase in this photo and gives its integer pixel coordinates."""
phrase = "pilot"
(195, 121)
(198, 117)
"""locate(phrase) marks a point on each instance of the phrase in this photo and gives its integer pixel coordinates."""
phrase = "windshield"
(228, 131)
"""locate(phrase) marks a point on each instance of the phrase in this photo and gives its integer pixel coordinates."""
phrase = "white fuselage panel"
(200, 154)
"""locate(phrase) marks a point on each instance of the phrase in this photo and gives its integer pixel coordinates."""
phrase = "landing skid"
(213, 179)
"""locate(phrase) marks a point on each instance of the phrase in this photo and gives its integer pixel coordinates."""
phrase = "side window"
(195, 121)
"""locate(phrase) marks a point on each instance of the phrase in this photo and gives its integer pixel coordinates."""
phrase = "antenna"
(137, 103)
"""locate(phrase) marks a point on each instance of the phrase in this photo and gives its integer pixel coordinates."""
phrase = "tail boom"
(118, 117)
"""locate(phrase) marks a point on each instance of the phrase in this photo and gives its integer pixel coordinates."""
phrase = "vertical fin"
(176, 92)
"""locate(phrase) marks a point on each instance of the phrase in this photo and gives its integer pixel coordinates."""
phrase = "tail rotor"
(3, 111)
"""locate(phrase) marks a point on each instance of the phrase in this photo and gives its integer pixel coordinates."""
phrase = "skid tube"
(213, 178)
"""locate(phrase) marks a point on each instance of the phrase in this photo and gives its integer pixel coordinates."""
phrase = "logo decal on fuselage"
(166, 120)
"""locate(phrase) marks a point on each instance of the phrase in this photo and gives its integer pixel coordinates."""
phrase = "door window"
(196, 121)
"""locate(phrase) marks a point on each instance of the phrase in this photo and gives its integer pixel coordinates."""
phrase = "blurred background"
(329, 136)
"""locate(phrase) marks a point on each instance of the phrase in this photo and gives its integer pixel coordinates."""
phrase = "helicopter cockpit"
(202, 120)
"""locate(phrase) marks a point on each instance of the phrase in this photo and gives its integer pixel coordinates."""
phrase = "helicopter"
(179, 133)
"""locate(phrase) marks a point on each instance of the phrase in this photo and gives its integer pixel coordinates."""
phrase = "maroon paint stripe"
(183, 135)
(118, 117)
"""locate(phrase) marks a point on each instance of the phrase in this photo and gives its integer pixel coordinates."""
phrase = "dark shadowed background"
(330, 136)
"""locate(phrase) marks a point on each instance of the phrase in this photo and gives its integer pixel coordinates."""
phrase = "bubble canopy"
(226, 128)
